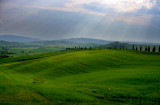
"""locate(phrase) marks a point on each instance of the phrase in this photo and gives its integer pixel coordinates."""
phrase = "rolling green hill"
(81, 77)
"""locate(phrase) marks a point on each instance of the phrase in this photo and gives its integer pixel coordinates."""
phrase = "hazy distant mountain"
(14, 38)
(57, 42)
(76, 42)
(10, 44)
(87, 40)
(17, 44)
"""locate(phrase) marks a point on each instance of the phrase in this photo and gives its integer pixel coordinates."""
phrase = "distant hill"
(15, 38)
(17, 44)
(66, 43)
(76, 41)
(57, 42)
(117, 45)
(10, 44)
(87, 40)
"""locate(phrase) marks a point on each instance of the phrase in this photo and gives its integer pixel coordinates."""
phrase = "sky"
(118, 20)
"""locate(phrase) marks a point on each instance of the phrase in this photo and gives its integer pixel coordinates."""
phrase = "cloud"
(1, 22)
(106, 19)
(139, 20)
(81, 10)
(117, 5)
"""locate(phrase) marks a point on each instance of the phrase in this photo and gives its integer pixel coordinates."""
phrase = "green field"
(33, 50)
(88, 77)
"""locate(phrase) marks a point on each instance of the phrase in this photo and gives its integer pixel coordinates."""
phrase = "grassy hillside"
(81, 77)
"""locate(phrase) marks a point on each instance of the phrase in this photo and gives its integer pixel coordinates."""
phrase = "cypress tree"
(133, 47)
(148, 48)
(159, 48)
(90, 48)
(154, 49)
(136, 49)
(140, 48)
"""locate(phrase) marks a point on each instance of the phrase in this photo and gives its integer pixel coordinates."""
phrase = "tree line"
(136, 48)
(147, 48)
(78, 48)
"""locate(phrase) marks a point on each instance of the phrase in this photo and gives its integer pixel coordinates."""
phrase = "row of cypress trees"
(121, 48)
(78, 48)
(135, 48)
(147, 49)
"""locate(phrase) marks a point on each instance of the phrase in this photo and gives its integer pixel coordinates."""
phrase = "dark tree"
(140, 48)
(22, 51)
(90, 48)
(115, 48)
(4, 56)
(85, 48)
(154, 49)
(75, 47)
(133, 47)
(148, 48)
(136, 49)
(159, 48)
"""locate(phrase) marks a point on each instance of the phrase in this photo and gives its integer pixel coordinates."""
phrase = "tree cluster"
(147, 49)
(78, 48)
(121, 48)
(4, 52)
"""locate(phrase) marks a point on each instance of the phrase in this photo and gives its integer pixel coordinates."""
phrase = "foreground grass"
(81, 77)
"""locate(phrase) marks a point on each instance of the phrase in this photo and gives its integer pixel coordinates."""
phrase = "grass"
(81, 77)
